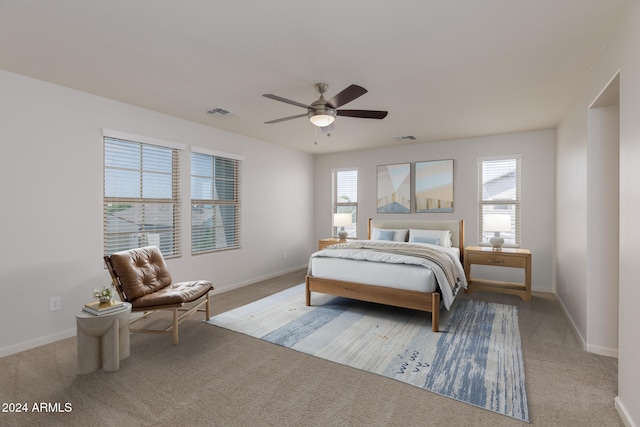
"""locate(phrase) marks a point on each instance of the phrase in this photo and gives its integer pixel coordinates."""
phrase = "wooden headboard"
(455, 226)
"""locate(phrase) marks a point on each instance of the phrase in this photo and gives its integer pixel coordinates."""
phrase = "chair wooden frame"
(179, 311)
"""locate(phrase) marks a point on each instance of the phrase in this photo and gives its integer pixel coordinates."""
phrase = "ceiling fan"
(322, 113)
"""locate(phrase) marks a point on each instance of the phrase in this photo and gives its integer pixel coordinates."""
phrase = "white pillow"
(444, 236)
(398, 235)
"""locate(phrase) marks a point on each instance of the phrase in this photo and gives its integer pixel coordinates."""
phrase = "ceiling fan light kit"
(322, 118)
(322, 113)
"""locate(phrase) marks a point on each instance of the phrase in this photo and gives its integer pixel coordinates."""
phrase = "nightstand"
(506, 257)
(103, 341)
(323, 243)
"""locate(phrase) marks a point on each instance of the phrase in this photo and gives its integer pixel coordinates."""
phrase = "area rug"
(476, 358)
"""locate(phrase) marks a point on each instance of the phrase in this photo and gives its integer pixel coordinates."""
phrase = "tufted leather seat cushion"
(175, 293)
(146, 281)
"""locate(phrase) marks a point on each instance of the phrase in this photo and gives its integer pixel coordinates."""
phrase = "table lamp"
(497, 223)
(342, 220)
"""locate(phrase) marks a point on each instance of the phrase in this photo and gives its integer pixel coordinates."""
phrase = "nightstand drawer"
(496, 258)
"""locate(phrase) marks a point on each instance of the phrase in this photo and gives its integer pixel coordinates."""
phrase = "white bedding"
(390, 270)
(409, 277)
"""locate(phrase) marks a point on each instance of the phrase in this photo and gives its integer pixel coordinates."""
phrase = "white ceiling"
(444, 69)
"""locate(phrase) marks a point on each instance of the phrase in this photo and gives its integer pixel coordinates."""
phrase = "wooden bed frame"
(415, 300)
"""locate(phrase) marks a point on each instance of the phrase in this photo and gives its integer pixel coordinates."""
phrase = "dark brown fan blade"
(363, 114)
(285, 119)
(288, 101)
(347, 95)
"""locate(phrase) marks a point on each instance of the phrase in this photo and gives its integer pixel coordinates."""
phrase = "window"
(215, 202)
(345, 198)
(499, 193)
(141, 195)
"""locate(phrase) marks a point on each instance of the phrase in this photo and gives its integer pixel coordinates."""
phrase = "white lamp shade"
(497, 222)
(342, 220)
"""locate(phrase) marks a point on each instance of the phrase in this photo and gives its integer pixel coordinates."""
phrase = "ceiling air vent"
(220, 113)
(404, 138)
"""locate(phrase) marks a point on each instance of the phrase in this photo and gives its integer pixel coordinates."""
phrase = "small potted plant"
(104, 295)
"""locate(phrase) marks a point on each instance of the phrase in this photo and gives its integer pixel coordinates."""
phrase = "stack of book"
(101, 308)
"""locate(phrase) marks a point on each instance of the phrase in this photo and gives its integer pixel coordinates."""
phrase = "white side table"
(103, 341)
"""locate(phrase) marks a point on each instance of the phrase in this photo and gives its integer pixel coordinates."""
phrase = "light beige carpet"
(476, 357)
(216, 377)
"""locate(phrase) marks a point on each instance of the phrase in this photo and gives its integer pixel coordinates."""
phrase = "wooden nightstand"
(507, 257)
(323, 243)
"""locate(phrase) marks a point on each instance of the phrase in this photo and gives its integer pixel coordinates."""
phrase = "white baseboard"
(40, 341)
(602, 351)
(624, 414)
(583, 342)
(48, 339)
(219, 290)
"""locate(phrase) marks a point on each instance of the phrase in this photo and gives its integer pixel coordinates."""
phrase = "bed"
(389, 269)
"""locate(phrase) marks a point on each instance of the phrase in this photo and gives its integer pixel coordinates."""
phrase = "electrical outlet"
(55, 303)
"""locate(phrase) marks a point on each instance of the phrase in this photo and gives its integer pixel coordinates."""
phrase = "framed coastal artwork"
(394, 188)
(434, 186)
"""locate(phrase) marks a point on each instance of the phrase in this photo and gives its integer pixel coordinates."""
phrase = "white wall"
(621, 54)
(603, 225)
(51, 215)
(538, 199)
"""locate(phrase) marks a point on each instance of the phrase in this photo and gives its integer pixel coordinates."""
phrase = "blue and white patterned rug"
(476, 358)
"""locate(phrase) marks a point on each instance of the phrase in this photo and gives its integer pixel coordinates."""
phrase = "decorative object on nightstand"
(497, 223)
(342, 220)
(508, 257)
(101, 308)
(104, 295)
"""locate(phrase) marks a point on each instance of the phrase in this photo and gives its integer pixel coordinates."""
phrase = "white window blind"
(141, 196)
(499, 193)
(215, 203)
(345, 198)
